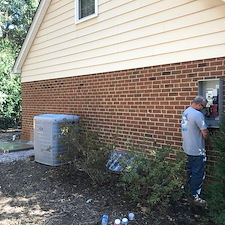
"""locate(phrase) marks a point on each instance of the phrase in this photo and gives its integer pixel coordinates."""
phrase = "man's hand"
(205, 134)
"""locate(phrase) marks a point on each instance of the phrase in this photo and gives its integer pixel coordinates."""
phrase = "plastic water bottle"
(124, 221)
(117, 222)
(131, 216)
(105, 219)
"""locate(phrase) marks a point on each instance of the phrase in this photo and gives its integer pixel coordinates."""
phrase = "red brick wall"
(136, 103)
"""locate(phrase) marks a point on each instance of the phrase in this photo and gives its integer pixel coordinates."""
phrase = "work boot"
(199, 202)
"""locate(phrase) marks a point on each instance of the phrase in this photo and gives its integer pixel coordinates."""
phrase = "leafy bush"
(10, 89)
(216, 190)
(154, 179)
(150, 179)
(10, 102)
(15, 20)
(85, 150)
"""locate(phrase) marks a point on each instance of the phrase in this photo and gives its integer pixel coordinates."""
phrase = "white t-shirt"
(192, 123)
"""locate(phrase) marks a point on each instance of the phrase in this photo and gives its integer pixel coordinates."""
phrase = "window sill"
(77, 21)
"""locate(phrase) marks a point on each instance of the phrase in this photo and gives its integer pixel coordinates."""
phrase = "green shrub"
(154, 179)
(10, 88)
(85, 150)
(6, 122)
(216, 190)
(151, 179)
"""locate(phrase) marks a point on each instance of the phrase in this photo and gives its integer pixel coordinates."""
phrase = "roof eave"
(37, 20)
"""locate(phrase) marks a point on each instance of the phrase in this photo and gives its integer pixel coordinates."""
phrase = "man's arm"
(205, 134)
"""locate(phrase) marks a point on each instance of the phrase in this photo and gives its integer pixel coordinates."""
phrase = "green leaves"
(155, 178)
(216, 190)
(85, 150)
(10, 89)
(15, 19)
(7, 57)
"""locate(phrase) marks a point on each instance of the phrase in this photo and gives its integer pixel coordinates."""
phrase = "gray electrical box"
(212, 90)
(46, 135)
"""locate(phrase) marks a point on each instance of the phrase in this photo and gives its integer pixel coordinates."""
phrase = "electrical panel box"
(46, 137)
(212, 90)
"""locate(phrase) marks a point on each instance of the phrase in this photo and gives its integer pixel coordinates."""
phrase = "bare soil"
(32, 193)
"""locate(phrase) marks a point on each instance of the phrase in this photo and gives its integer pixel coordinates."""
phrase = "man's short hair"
(199, 100)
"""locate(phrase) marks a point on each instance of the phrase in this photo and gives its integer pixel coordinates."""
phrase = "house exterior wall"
(126, 35)
(133, 104)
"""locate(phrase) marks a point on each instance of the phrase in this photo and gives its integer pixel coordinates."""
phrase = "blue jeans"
(195, 174)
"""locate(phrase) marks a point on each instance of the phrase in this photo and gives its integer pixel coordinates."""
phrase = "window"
(85, 9)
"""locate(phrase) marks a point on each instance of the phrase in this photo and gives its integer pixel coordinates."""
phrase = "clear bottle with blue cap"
(105, 219)
(124, 221)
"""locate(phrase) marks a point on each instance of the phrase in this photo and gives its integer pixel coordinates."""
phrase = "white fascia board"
(37, 20)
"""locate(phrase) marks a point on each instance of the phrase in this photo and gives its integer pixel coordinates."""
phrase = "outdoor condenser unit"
(46, 137)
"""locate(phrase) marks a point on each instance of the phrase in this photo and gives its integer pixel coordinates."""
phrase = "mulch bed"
(32, 193)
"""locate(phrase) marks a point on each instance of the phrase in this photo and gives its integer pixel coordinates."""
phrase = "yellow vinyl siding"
(131, 34)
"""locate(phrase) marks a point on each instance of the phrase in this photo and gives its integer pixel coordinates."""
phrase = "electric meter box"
(46, 137)
(212, 90)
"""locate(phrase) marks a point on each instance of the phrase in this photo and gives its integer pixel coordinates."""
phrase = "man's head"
(199, 103)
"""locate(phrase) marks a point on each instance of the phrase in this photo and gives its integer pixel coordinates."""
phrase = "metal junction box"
(212, 90)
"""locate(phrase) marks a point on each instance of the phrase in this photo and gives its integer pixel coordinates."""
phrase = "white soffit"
(37, 20)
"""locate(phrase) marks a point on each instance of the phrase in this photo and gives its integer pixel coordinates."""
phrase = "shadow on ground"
(31, 193)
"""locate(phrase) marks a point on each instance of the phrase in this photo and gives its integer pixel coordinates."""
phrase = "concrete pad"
(6, 147)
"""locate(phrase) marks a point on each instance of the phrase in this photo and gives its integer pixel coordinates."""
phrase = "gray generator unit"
(46, 137)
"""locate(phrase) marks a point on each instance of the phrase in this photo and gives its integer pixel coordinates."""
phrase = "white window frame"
(77, 20)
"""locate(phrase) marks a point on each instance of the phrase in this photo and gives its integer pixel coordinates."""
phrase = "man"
(194, 134)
